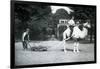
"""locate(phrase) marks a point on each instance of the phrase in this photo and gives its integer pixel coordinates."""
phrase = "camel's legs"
(76, 47)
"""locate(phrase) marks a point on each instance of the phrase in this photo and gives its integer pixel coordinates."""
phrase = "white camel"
(80, 31)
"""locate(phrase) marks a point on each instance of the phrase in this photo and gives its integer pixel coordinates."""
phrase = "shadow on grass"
(69, 50)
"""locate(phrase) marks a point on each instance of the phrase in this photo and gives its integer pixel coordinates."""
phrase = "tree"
(34, 16)
(60, 14)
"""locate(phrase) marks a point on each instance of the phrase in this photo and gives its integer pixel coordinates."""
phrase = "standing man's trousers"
(25, 43)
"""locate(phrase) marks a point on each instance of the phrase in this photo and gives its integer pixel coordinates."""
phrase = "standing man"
(25, 38)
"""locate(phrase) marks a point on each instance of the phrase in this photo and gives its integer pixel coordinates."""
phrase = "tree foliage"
(33, 16)
(84, 13)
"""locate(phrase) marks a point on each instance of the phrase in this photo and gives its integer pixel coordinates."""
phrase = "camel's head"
(87, 24)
